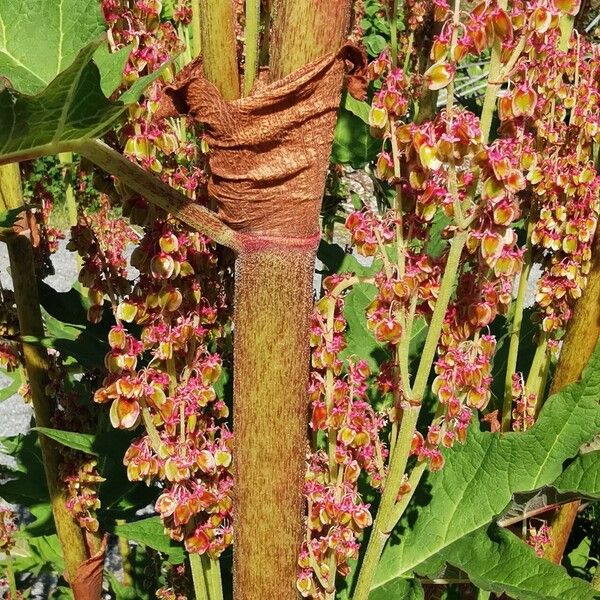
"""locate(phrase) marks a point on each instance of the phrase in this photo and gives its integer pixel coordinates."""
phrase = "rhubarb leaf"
(480, 478)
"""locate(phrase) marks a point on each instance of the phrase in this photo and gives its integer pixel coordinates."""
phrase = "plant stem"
(583, 333)
(387, 514)
(66, 158)
(196, 45)
(272, 305)
(158, 192)
(273, 298)
(394, 34)
(10, 576)
(212, 573)
(304, 30)
(125, 556)
(24, 278)
(439, 313)
(198, 579)
(538, 368)
(515, 336)
(489, 101)
(251, 44)
(217, 35)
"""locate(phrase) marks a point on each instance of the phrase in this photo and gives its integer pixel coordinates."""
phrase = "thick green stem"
(491, 92)
(198, 579)
(217, 35)
(538, 368)
(387, 514)
(515, 336)
(251, 44)
(212, 574)
(304, 30)
(22, 265)
(196, 35)
(66, 158)
(10, 576)
(273, 298)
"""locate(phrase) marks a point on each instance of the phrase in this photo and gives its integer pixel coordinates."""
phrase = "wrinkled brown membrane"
(87, 584)
(269, 151)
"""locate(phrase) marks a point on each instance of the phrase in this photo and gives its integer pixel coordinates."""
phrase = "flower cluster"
(77, 470)
(554, 98)
(8, 528)
(101, 241)
(539, 537)
(523, 413)
(340, 408)
(10, 348)
(179, 304)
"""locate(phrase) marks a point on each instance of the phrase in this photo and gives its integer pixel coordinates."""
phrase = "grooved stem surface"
(273, 300)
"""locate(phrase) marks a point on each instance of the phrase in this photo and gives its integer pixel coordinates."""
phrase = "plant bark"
(580, 340)
(273, 299)
(20, 253)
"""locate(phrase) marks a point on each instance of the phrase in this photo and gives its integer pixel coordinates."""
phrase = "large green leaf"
(498, 561)
(25, 484)
(582, 476)
(150, 532)
(41, 38)
(407, 589)
(58, 73)
(479, 479)
(71, 108)
(35, 554)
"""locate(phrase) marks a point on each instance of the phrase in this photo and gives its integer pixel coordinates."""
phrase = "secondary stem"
(489, 101)
(388, 515)
(515, 335)
(251, 44)
(156, 191)
(198, 580)
(10, 575)
(24, 278)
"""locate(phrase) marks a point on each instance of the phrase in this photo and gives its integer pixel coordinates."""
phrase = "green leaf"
(353, 143)
(360, 341)
(71, 108)
(41, 38)
(27, 482)
(111, 66)
(407, 589)
(582, 476)
(9, 217)
(84, 442)
(336, 260)
(150, 532)
(374, 44)
(35, 554)
(498, 561)
(56, 94)
(12, 388)
(357, 107)
(479, 479)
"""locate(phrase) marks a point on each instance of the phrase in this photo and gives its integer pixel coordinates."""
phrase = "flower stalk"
(20, 253)
(388, 514)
